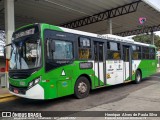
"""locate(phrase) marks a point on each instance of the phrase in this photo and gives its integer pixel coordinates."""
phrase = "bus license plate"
(15, 91)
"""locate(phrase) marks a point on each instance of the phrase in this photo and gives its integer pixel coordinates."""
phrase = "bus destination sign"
(25, 33)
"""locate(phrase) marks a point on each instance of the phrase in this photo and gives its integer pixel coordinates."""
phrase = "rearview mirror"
(7, 50)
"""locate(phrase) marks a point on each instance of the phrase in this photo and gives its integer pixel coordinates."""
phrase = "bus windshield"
(26, 53)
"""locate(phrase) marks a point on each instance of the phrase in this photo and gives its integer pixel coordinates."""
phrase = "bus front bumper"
(36, 92)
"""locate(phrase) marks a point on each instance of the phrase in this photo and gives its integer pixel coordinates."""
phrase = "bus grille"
(21, 90)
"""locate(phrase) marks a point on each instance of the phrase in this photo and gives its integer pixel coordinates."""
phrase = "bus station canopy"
(87, 15)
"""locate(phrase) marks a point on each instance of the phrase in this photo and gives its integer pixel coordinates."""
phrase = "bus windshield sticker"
(25, 33)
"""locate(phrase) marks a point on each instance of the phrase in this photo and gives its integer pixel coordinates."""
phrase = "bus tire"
(82, 88)
(138, 77)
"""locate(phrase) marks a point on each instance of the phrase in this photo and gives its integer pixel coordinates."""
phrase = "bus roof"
(104, 36)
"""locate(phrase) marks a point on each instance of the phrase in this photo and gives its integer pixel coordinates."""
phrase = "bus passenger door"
(99, 63)
(127, 71)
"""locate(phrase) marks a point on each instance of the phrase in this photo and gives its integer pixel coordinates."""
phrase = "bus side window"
(116, 56)
(84, 50)
(145, 52)
(95, 53)
(100, 52)
(152, 53)
(136, 52)
(84, 53)
(113, 51)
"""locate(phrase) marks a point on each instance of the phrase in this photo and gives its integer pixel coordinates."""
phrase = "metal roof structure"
(87, 15)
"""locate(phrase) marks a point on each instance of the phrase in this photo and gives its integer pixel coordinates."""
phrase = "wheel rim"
(82, 87)
(138, 77)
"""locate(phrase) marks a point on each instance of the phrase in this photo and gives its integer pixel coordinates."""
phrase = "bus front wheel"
(138, 77)
(82, 88)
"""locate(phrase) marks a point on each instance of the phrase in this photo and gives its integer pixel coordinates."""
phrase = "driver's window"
(63, 50)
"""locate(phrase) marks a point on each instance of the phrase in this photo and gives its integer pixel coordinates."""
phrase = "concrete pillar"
(9, 29)
(9, 22)
(152, 38)
(109, 26)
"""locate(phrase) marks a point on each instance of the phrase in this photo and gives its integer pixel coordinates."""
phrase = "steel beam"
(140, 31)
(115, 12)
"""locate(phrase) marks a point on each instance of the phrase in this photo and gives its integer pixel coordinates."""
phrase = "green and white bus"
(48, 61)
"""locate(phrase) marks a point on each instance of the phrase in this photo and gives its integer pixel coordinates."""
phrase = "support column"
(152, 38)
(109, 26)
(9, 29)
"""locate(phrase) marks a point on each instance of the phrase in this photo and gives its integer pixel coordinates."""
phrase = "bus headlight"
(31, 84)
(34, 82)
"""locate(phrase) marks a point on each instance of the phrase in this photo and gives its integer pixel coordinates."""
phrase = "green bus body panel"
(65, 83)
(56, 84)
(147, 67)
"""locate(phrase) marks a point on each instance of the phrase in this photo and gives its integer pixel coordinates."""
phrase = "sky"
(158, 33)
(153, 3)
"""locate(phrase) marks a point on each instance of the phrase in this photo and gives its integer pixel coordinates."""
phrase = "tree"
(147, 39)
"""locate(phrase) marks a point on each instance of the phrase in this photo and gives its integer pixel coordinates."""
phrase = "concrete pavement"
(145, 99)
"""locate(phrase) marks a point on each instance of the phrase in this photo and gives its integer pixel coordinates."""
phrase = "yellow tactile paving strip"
(7, 97)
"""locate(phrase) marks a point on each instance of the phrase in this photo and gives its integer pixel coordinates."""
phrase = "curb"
(6, 96)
